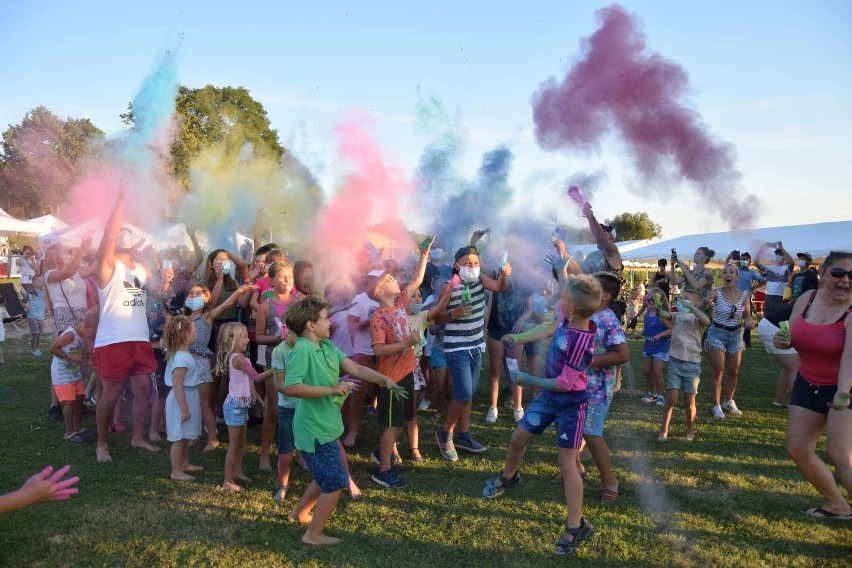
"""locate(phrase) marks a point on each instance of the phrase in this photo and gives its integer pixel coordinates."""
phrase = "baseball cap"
(805, 256)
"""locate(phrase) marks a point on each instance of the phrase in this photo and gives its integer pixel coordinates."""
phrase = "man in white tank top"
(122, 349)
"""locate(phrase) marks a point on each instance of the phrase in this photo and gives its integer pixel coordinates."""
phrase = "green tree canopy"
(41, 159)
(635, 226)
(217, 115)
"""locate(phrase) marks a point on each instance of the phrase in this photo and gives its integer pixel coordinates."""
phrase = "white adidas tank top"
(123, 300)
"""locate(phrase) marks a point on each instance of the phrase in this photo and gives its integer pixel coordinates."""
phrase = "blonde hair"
(229, 333)
(585, 292)
(176, 335)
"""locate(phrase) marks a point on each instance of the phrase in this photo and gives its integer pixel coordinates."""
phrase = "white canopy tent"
(46, 224)
(818, 239)
(9, 224)
(72, 235)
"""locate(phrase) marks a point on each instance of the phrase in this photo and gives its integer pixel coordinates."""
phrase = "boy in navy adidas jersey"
(563, 399)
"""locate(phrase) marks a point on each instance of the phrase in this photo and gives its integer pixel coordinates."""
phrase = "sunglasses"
(840, 273)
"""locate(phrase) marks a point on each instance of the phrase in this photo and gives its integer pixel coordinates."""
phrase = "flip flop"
(608, 496)
(820, 513)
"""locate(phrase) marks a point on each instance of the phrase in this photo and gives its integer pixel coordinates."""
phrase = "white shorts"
(766, 330)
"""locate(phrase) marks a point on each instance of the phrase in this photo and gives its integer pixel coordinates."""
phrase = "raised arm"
(420, 270)
(106, 250)
(72, 267)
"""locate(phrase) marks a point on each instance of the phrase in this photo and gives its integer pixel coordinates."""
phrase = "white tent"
(72, 235)
(9, 224)
(817, 239)
(46, 224)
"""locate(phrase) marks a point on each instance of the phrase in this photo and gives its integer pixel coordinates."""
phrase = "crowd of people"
(195, 342)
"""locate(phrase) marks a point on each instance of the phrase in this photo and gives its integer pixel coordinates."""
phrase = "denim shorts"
(234, 415)
(464, 367)
(660, 356)
(567, 409)
(719, 339)
(437, 359)
(683, 375)
(327, 467)
(595, 418)
(286, 441)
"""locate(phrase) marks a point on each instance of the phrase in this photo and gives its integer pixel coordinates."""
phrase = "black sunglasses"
(840, 273)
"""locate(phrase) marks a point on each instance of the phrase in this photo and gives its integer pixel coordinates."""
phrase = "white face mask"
(469, 274)
(414, 308)
(779, 259)
(226, 266)
(802, 264)
(744, 263)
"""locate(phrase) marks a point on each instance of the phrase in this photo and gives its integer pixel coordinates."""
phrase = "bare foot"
(231, 487)
(663, 436)
(349, 440)
(354, 492)
(263, 464)
(102, 452)
(143, 445)
(211, 446)
(243, 477)
(304, 518)
(180, 476)
(689, 436)
(190, 467)
(320, 539)
(155, 437)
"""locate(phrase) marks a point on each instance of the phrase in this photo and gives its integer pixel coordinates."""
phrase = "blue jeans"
(464, 367)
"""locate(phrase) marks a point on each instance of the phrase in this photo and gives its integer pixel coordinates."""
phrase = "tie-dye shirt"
(609, 334)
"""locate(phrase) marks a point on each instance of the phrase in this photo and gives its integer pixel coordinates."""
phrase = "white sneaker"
(717, 413)
(424, 404)
(491, 415)
(731, 407)
(519, 413)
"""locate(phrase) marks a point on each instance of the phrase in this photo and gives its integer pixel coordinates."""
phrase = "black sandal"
(565, 547)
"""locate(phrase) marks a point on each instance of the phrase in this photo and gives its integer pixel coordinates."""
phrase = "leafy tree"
(217, 115)
(41, 159)
(633, 226)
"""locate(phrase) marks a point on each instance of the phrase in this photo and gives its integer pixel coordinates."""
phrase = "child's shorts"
(35, 325)
(683, 375)
(437, 359)
(327, 467)
(69, 392)
(286, 441)
(729, 341)
(235, 415)
(595, 418)
(567, 409)
(660, 356)
(396, 412)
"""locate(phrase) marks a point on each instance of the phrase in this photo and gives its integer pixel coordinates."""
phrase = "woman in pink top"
(820, 332)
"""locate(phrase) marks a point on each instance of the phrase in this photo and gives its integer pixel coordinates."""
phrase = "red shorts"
(69, 392)
(118, 361)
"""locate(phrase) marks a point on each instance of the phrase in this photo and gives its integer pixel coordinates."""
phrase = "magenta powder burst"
(619, 85)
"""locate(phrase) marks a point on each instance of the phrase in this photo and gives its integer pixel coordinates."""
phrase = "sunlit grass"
(731, 498)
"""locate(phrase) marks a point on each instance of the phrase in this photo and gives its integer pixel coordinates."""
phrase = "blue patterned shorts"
(327, 467)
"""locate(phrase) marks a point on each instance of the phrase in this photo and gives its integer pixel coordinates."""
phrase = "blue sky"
(772, 78)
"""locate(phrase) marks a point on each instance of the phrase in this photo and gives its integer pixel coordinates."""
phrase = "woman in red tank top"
(820, 330)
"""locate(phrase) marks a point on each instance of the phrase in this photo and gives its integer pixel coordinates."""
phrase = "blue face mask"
(681, 308)
(195, 303)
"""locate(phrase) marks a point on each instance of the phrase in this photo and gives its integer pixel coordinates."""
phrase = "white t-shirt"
(74, 289)
(63, 371)
(776, 279)
(362, 308)
(123, 299)
(26, 269)
(340, 332)
(186, 360)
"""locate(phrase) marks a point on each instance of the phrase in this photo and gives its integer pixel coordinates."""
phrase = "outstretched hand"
(48, 485)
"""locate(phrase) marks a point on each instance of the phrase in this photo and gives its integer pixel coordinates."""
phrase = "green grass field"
(730, 498)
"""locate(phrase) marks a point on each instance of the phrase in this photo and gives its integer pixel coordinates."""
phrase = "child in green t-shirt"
(313, 377)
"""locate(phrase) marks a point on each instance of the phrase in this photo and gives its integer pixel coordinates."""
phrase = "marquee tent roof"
(9, 224)
(818, 239)
(46, 224)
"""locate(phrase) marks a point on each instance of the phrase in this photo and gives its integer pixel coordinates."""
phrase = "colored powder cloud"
(139, 159)
(368, 206)
(619, 85)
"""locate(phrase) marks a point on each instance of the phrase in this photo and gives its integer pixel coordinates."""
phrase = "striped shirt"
(776, 279)
(727, 313)
(466, 332)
